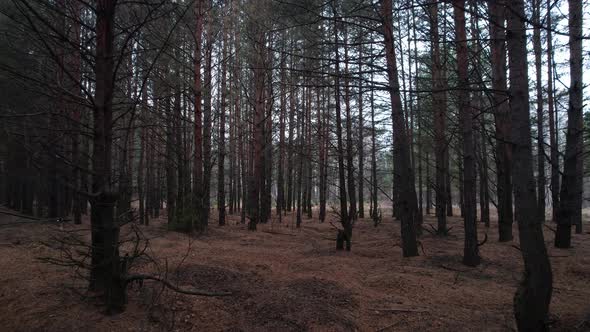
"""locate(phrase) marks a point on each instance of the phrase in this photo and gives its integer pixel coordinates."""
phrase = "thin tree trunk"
(349, 153)
(554, 154)
(290, 148)
(281, 168)
(404, 173)
(570, 205)
(221, 137)
(346, 234)
(440, 141)
(361, 146)
(428, 184)
(323, 139)
(171, 170)
(207, 122)
(105, 270)
(532, 298)
(540, 116)
(200, 222)
(257, 144)
(501, 112)
(300, 153)
(471, 250)
(375, 204)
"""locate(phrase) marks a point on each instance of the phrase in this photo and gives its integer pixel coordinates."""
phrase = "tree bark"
(105, 262)
(532, 298)
(440, 141)
(207, 114)
(361, 137)
(404, 175)
(501, 112)
(257, 143)
(221, 136)
(200, 223)
(570, 205)
(352, 213)
(554, 148)
(540, 116)
(346, 234)
(470, 250)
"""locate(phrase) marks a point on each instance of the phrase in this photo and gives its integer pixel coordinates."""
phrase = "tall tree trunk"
(352, 214)
(76, 70)
(207, 122)
(570, 205)
(374, 186)
(281, 168)
(540, 116)
(221, 137)
(105, 273)
(171, 175)
(178, 148)
(346, 234)
(419, 122)
(532, 298)
(361, 139)
(142, 156)
(323, 130)
(428, 184)
(501, 112)
(554, 154)
(200, 221)
(290, 147)
(266, 194)
(404, 173)
(440, 117)
(300, 156)
(470, 250)
(257, 143)
(308, 147)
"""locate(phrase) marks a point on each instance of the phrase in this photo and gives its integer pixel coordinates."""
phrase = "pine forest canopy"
(125, 115)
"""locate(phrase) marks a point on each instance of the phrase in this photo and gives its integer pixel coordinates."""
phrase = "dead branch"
(35, 221)
(485, 239)
(278, 233)
(428, 230)
(422, 246)
(400, 310)
(549, 228)
(435, 231)
(452, 269)
(390, 325)
(19, 215)
(199, 292)
(335, 227)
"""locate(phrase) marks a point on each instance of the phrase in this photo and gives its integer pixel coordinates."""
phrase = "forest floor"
(288, 279)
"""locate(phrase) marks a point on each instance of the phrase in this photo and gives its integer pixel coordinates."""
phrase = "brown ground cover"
(288, 279)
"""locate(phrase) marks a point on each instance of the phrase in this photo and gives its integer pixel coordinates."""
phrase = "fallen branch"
(429, 231)
(422, 246)
(278, 233)
(401, 310)
(36, 221)
(452, 269)
(389, 326)
(199, 292)
(485, 239)
(436, 232)
(336, 227)
(551, 229)
(19, 215)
